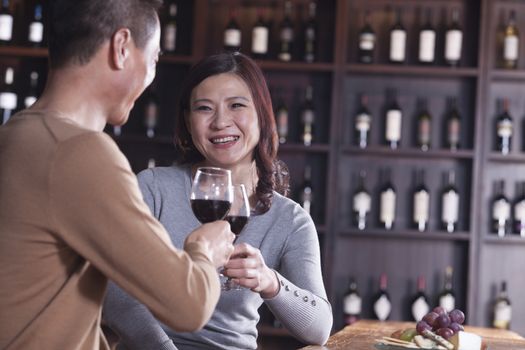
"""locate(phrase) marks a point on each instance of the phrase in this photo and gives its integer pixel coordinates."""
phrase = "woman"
(226, 120)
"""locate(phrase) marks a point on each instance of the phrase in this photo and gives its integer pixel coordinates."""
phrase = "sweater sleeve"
(136, 327)
(301, 304)
(98, 210)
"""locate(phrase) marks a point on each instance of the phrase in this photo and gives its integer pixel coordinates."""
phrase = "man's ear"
(121, 43)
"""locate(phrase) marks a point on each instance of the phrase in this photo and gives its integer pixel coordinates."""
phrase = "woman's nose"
(222, 119)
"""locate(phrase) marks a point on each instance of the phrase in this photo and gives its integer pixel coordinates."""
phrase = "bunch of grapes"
(442, 323)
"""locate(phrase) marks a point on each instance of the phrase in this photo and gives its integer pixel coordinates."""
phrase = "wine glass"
(211, 194)
(238, 218)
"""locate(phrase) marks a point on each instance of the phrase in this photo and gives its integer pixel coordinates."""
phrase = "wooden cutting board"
(362, 336)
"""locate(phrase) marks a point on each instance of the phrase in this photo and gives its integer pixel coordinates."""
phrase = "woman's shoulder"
(289, 210)
(173, 173)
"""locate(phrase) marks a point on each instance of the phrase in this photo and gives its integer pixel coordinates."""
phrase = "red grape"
(456, 327)
(422, 326)
(443, 321)
(457, 316)
(440, 310)
(446, 333)
(430, 318)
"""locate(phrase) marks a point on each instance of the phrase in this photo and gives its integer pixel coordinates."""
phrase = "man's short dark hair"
(77, 28)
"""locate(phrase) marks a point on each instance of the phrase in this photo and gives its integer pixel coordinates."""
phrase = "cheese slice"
(466, 341)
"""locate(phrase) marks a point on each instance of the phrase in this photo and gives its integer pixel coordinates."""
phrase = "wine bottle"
(394, 118)
(8, 97)
(363, 120)
(151, 113)
(450, 204)
(511, 43)
(367, 41)
(519, 210)
(398, 38)
(427, 41)
(281, 116)
(352, 303)
(387, 211)
(169, 40)
(424, 122)
(362, 203)
(504, 129)
(502, 309)
(453, 127)
(260, 35)
(421, 203)
(232, 34)
(32, 94)
(420, 306)
(307, 190)
(286, 34)
(382, 305)
(500, 210)
(447, 297)
(36, 28)
(308, 117)
(151, 163)
(6, 23)
(310, 34)
(454, 41)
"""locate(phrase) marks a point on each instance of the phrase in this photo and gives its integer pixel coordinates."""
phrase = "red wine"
(237, 223)
(210, 210)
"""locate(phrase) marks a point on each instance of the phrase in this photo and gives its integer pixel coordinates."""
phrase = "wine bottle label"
(450, 207)
(307, 199)
(501, 210)
(393, 125)
(8, 100)
(170, 37)
(453, 131)
(362, 203)
(352, 304)
(362, 122)
(151, 115)
(420, 308)
(398, 45)
(36, 32)
(448, 302)
(511, 48)
(29, 100)
(310, 34)
(382, 308)
(502, 315)
(421, 206)
(6, 27)
(504, 128)
(287, 34)
(427, 45)
(367, 41)
(453, 43)
(519, 211)
(388, 206)
(282, 123)
(424, 131)
(232, 37)
(151, 163)
(260, 40)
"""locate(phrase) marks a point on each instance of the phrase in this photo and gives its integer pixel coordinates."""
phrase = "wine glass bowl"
(211, 194)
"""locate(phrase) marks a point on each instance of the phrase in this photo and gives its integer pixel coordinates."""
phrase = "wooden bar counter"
(363, 334)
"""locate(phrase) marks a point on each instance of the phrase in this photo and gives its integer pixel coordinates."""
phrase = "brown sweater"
(71, 216)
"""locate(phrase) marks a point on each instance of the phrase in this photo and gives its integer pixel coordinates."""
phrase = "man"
(71, 213)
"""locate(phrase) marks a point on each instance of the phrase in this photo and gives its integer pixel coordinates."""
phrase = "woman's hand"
(247, 268)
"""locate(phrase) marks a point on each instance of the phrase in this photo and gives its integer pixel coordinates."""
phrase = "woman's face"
(223, 121)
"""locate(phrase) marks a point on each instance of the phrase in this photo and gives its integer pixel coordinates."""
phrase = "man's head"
(79, 27)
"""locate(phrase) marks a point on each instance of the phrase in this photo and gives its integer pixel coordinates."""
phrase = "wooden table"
(362, 335)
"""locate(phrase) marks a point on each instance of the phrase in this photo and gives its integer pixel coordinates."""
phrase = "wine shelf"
(445, 72)
(161, 140)
(383, 151)
(507, 75)
(21, 51)
(406, 234)
(508, 239)
(178, 59)
(296, 66)
(299, 147)
(509, 158)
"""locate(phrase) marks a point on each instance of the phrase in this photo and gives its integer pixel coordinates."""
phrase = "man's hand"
(217, 238)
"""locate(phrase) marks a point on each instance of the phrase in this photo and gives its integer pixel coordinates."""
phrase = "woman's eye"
(237, 105)
(202, 108)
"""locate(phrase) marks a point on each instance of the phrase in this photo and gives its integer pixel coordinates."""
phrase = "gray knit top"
(287, 239)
